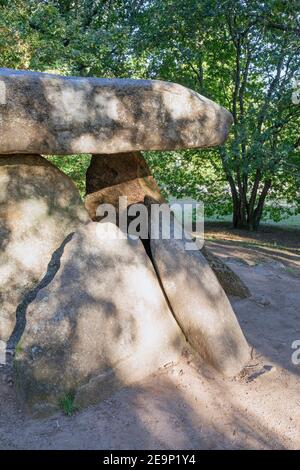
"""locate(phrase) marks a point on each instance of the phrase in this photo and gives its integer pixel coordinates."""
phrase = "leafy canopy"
(242, 54)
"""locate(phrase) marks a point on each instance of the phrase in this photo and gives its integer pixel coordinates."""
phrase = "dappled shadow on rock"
(39, 207)
(50, 114)
(100, 324)
(197, 299)
(187, 405)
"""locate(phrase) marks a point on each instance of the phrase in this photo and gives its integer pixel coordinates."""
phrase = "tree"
(243, 55)
(240, 53)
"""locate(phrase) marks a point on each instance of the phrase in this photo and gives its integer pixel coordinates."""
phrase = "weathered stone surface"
(199, 303)
(49, 114)
(122, 174)
(102, 322)
(231, 282)
(39, 207)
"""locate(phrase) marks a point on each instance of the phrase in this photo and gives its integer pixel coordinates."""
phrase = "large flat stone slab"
(50, 114)
(101, 324)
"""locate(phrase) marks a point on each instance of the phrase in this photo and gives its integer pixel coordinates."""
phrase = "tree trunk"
(247, 216)
(240, 219)
(239, 210)
(260, 206)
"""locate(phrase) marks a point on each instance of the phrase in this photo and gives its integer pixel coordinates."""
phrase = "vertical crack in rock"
(52, 269)
(147, 247)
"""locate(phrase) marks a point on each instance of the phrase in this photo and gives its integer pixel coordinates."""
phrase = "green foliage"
(74, 166)
(66, 404)
(242, 54)
(192, 174)
(18, 349)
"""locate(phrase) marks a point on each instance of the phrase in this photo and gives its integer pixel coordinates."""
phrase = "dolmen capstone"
(48, 114)
(84, 309)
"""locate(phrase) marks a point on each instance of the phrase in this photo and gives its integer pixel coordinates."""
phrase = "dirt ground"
(189, 406)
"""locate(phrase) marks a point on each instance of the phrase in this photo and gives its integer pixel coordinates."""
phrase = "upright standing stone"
(195, 295)
(101, 324)
(39, 207)
(124, 174)
(198, 301)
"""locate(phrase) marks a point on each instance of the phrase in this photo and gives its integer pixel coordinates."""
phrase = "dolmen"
(86, 309)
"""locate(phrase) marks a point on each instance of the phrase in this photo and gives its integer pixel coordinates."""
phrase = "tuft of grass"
(18, 349)
(291, 270)
(66, 404)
